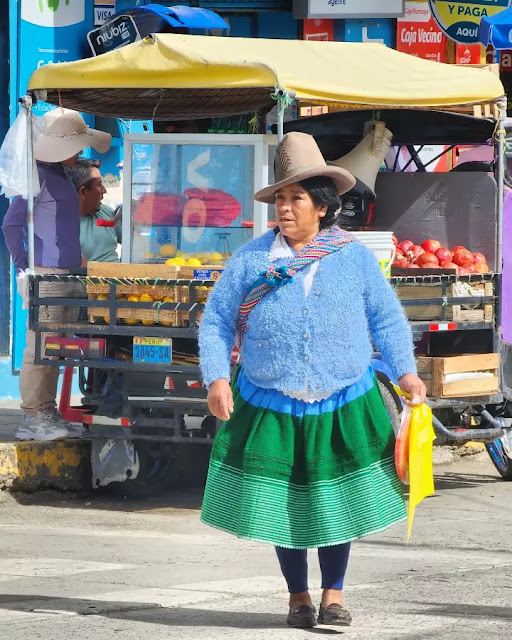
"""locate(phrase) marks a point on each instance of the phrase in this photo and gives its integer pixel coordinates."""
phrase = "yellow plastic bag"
(415, 441)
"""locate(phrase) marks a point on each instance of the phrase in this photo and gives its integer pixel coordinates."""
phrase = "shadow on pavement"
(464, 481)
(183, 499)
(178, 616)
(457, 610)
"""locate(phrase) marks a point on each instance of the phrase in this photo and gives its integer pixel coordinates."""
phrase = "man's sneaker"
(55, 418)
(40, 428)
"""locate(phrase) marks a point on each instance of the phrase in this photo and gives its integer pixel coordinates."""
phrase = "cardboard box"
(479, 373)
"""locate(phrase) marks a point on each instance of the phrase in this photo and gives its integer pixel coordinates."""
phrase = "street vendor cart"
(187, 206)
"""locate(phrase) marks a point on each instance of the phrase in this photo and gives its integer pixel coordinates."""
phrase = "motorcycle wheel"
(499, 451)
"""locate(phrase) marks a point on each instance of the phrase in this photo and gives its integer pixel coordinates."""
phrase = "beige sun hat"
(297, 158)
(65, 134)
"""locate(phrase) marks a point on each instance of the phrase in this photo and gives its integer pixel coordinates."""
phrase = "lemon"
(103, 296)
(148, 322)
(193, 262)
(145, 297)
(216, 256)
(176, 262)
(168, 299)
(133, 298)
(167, 250)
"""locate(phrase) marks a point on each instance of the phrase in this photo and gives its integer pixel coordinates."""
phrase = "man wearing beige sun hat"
(305, 457)
(56, 248)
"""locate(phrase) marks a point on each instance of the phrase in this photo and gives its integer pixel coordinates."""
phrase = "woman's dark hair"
(323, 192)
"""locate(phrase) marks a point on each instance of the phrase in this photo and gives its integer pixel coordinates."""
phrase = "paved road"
(96, 569)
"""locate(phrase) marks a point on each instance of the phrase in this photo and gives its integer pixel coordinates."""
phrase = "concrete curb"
(62, 465)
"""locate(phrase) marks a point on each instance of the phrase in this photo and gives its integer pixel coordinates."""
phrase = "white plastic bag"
(13, 158)
(23, 286)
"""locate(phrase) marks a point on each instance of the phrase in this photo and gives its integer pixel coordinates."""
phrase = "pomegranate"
(412, 265)
(395, 240)
(463, 271)
(463, 257)
(443, 255)
(400, 260)
(415, 252)
(431, 246)
(405, 246)
(479, 258)
(482, 268)
(449, 265)
(427, 258)
(469, 267)
(458, 247)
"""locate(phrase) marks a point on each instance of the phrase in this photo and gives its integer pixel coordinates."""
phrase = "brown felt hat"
(297, 158)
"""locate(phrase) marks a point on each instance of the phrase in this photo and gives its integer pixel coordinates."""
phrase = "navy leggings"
(333, 565)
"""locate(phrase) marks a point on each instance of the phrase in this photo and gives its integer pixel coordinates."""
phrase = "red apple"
(427, 258)
(463, 257)
(431, 246)
(449, 265)
(479, 258)
(405, 246)
(444, 255)
(482, 268)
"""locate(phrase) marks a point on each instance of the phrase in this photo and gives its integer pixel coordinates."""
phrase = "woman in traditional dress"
(305, 458)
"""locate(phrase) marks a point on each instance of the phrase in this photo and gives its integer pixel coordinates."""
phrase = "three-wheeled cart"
(187, 202)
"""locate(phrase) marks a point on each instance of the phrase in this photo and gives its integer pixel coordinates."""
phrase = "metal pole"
(27, 105)
(501, 179)
(280, 124)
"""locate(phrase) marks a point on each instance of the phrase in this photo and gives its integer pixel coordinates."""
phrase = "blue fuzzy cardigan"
(321, 342)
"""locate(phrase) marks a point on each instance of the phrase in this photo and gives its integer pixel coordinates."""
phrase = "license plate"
(153, 350)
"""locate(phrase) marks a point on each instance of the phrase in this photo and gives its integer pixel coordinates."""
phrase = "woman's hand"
(220, 399)
(413, 385)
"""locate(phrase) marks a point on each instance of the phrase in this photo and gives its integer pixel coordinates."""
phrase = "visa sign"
(53, 13)
(460, 20)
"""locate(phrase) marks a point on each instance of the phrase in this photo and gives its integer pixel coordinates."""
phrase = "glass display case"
(188, 198)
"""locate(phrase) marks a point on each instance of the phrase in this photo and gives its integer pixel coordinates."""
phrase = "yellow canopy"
(180, 76)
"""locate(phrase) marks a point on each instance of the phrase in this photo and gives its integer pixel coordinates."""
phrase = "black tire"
(392, 404)
(500, 459)
(155, 474)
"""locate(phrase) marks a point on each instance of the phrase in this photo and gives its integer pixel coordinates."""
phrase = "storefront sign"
(419, 35)
(343, 9)
(460, 19)
(103, 11)
(506, 60)
(377, 31)
(113, 34)
(318, 30)
(468, 54)
(49, 31)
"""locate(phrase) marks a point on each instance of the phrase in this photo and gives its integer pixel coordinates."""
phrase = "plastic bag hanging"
(13, 157)
(413, 455)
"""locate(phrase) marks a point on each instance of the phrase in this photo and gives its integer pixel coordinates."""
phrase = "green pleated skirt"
(302, 475)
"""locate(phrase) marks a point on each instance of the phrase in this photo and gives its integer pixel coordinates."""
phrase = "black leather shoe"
(303, 617)
(334, 614)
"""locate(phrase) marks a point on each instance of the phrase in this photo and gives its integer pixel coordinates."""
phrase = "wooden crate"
(149, 271)
(148, 317)
(436, 372)
(157, 292)
(476, 312)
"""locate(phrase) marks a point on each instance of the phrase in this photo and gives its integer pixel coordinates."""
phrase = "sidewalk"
(31, 466)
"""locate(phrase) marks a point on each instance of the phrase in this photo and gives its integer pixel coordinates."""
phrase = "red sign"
(317, 29)
(506, 60)
(419, 35)
(468, 54)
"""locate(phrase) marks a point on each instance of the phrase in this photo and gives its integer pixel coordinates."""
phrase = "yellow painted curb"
(32, 465)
